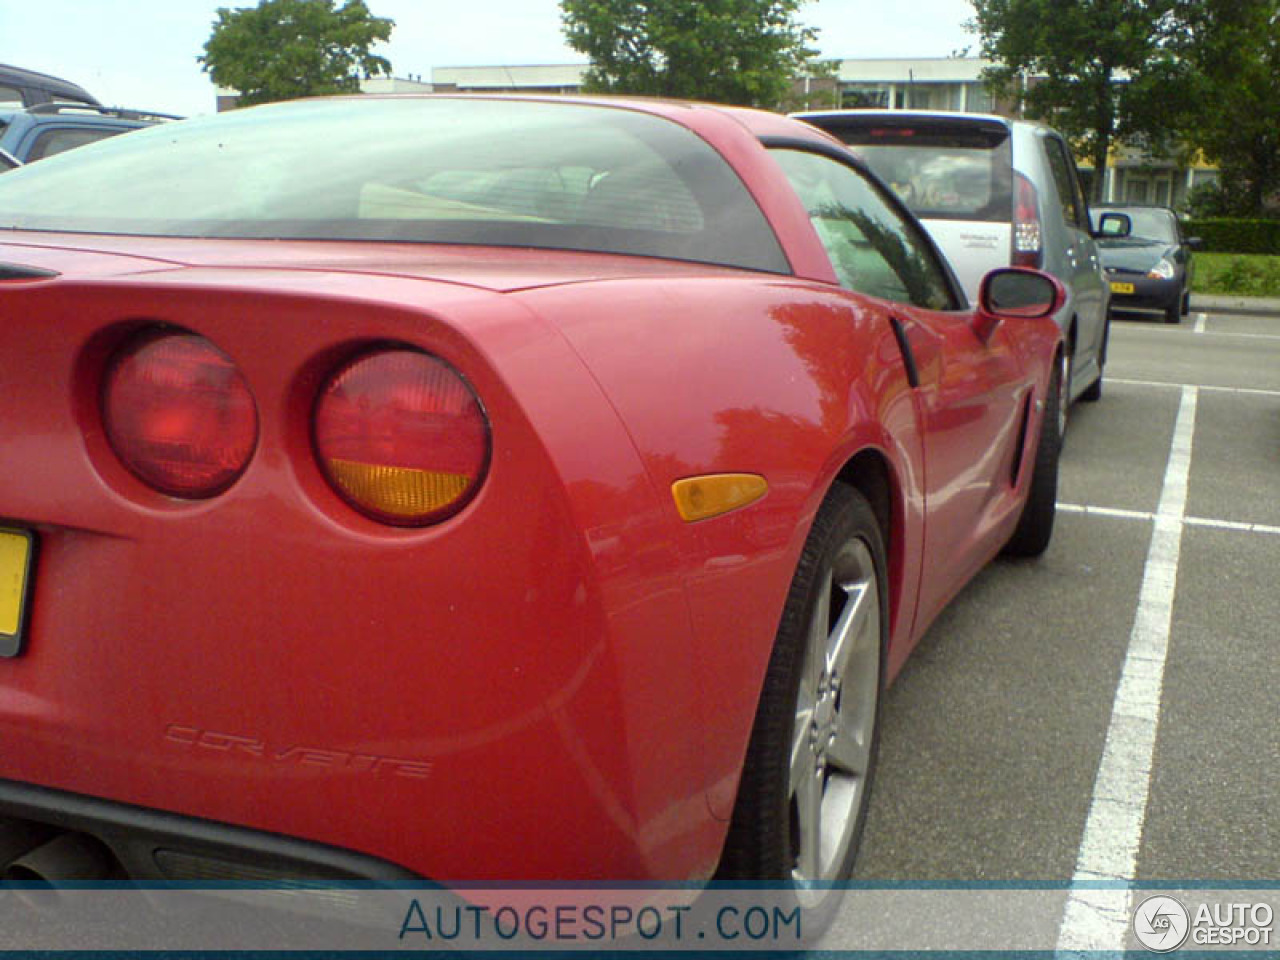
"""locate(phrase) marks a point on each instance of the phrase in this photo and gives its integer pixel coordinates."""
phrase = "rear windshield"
(941, 173)
(439, 170)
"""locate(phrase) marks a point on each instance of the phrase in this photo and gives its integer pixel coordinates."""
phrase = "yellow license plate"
(15, 585)
(1122, 288)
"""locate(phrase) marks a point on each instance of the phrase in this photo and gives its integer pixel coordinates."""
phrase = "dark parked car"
(1147, 258)
(27, 88)
(42, 131)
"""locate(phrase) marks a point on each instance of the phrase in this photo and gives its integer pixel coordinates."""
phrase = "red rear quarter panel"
(783, 378)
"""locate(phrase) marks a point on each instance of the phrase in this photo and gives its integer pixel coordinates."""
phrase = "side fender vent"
(1020, 449)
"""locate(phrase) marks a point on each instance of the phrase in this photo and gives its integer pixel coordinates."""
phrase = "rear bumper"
(155, 846)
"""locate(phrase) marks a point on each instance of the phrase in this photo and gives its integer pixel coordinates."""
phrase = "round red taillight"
(402, 437)
(179, 415)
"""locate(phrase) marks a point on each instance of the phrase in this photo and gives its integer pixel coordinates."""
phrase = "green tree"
(1091, 68)
(1230, 54)
(282, 49)
(727, 51)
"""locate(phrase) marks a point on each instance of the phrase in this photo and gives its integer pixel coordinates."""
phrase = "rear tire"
(1035, 527)
(802, 800)
(1093, 392)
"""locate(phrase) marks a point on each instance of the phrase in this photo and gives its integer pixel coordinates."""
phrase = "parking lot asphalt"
(1112, 710)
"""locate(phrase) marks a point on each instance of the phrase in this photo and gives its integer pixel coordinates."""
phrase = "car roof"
(690, 113)
(1117, 205)
(44, 81)
(82, 114)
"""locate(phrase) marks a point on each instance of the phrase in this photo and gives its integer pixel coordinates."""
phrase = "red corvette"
(483, 488)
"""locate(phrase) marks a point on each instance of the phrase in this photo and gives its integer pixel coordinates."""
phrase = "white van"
(993, 192)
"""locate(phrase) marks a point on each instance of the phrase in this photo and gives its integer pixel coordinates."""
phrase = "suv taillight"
(179, 415)
(402, 437)
(1028, 249)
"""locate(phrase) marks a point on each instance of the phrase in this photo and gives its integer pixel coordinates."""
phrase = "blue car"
(41, 131)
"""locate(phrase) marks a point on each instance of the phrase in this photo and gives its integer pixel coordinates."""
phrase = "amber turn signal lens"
(179, 414)
(402, 437)
(699, 498)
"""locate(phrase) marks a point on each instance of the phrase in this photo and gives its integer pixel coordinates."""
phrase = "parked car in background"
(994, 192)
(1147, 258)
(42, 131)
(28, 88)
(412, 501)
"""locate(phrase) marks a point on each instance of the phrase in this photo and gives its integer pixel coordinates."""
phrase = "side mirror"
(1193, 243)
(1115, 225)
(1015, 293)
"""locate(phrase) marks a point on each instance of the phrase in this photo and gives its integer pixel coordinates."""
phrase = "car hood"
(500, 269)
(1133, 253)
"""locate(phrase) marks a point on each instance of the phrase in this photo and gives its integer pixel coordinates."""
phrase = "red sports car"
(483, 489)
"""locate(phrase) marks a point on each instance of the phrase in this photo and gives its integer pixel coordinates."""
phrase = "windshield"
(440, 170)
(1148, 223)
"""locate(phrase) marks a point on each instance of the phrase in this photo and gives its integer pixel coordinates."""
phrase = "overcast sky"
(141, 53)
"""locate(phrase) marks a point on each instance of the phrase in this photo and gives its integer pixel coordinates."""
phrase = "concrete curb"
(1252, 306)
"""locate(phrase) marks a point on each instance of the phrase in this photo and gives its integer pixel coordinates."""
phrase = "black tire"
(1035, 527)
(1173, 312)
(1186, 303)
(1093, 392)
(844, 562)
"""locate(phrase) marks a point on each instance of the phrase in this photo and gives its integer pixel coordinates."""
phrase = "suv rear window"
(941, 172)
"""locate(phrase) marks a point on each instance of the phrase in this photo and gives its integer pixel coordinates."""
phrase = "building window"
(1200, 177)
(978, 99)
(934, 96)
(865, 97)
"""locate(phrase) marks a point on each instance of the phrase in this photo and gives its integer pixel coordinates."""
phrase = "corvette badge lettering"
(230, 743)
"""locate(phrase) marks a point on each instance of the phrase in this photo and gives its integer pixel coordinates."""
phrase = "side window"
(10, 97)
(1068, 184)
(873, 249)
(65, 138)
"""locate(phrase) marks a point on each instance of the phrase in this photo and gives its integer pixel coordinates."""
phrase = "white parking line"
(1232, 525)
(1159, 328)
(1200, 319)
(1106, 511)
(1236, 525)
(1166, 385)
(1098, 919)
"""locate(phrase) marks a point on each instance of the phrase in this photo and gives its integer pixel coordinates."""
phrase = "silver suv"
(994, 192)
